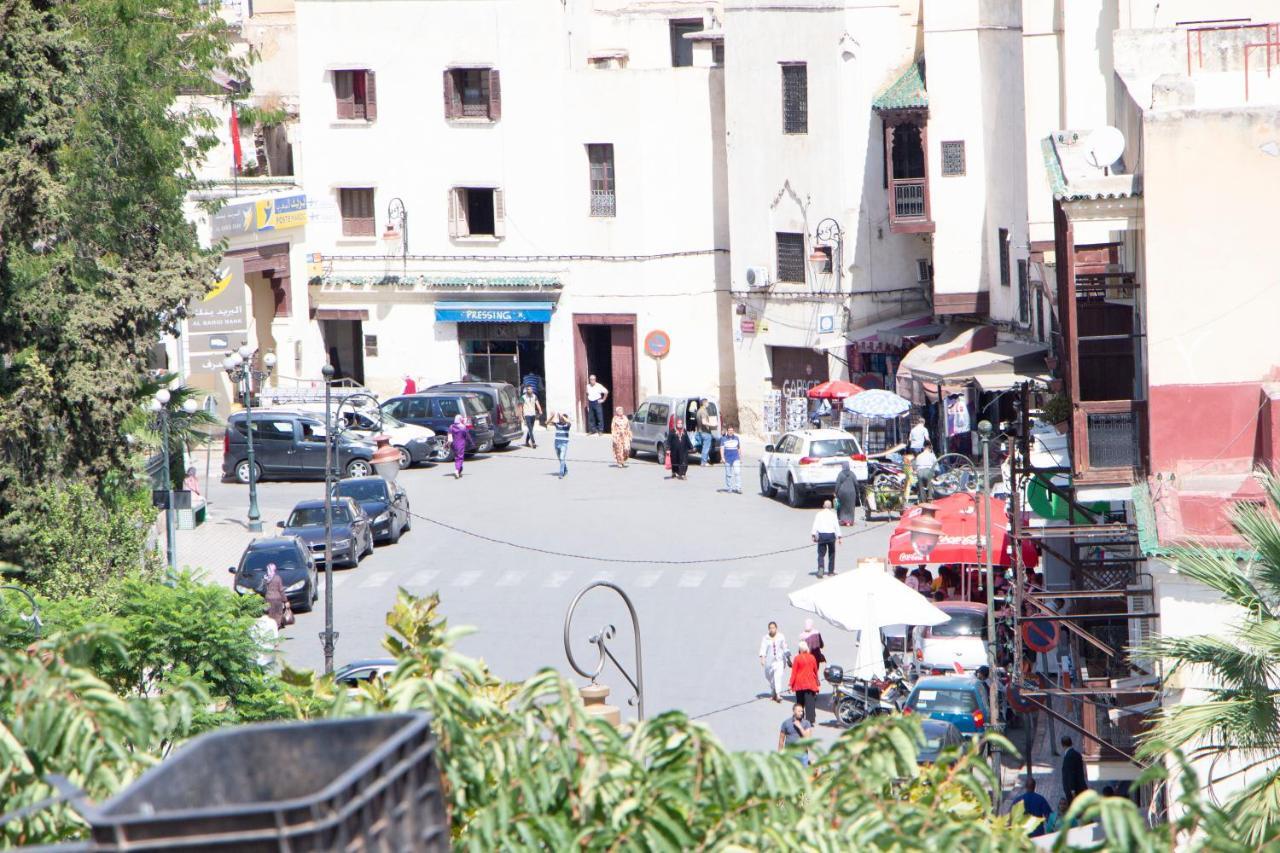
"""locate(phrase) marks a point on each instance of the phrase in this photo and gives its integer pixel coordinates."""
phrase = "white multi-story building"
(502, 188)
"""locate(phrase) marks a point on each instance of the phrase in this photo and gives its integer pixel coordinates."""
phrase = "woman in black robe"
(846, 495)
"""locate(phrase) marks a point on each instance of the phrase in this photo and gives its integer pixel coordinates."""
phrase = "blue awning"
(493, 312)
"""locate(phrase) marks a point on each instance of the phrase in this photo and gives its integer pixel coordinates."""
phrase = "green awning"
(905, 93)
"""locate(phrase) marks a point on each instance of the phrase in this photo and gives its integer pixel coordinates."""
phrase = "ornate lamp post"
(160, 405)
(828, 234)
(925, 529)
(398, 225)
(243, 375)
(984, 435)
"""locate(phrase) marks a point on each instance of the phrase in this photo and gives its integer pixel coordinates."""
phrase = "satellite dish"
(1105, 145)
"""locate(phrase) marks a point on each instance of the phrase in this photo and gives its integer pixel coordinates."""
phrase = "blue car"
(956, 699)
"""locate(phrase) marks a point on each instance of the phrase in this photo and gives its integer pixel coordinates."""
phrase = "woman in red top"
(804, 681)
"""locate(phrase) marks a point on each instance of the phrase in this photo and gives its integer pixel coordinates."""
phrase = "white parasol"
(865, 600)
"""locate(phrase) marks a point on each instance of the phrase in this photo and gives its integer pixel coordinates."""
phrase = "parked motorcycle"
(854, 699)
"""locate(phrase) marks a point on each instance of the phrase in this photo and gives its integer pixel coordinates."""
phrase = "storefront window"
(501, 352)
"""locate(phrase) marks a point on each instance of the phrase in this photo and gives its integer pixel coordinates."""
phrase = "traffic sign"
(657, 344)
(1040, 636)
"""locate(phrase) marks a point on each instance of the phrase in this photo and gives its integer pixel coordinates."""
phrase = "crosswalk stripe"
(691, 579)
(557, 579)
(736, 580)
(466, 578)
(338, 580)
(603, 575)
(422, 578)
(782, 580)
(374, 579)
(648, 579)
(511, 578)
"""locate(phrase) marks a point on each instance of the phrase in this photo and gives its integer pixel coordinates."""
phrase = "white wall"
(790, 182)
(975, 81)
(665, 124)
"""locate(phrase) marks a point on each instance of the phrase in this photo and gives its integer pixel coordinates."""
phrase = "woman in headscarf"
(811, 638)
(458, 437)
(620, 429)
(277, 601)
(679, 447)
(846, 495)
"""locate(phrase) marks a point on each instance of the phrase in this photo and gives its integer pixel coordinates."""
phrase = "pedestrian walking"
(620, 429)
(679, 446)
(458, 438)
(534, 381)
(1074, 780)
(847, 495)
(530, 409)
(813, 639)
(774, 657)
(561, 424)
(277, 601)
(804, 681)
(707, 424)
(731, 456)
(918, 437)
(596, 395)
(795, 729)
(826, 533)
(410, 387)
(923, 465)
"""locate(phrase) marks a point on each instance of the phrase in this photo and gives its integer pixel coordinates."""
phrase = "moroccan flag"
(235, 139)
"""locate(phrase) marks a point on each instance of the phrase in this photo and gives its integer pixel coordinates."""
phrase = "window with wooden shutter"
(356, 205)
(456, 225)
(1002, 249)
(370, 96)
(499, 214)
(344, 94)
(495, 95)
(1024, 293)
(790, 256)
(472, 93)
(476, 212)
(452, 103)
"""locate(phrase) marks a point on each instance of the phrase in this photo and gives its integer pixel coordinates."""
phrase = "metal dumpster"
(360, 784)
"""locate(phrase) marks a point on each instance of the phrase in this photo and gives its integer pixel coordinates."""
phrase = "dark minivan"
(287, 446)
(503, 402)
(437, 409)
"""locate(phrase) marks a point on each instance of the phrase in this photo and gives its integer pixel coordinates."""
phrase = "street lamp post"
(993, 690)
(398, 220)
(829, 234)
(386, 462)
(239, 368)
(160, 405)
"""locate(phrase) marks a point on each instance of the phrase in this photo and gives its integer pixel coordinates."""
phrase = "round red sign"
(657, 343)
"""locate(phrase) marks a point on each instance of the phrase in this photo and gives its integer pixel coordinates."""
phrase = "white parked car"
(804, 464)
(960, 643)
(416, 444)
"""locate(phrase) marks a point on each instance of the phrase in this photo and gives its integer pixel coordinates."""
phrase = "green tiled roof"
(445, 282)
(1052, 166)
(1149, 534)
(905, 93)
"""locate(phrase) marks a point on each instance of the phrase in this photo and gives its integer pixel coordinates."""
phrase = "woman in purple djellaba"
(458, 437)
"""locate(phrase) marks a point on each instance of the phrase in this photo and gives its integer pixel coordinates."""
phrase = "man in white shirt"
(826, 533)
(773, 657)
(596, 395)
(924, 464)
(919, 436)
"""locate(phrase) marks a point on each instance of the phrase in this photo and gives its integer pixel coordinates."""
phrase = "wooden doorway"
(605, 344)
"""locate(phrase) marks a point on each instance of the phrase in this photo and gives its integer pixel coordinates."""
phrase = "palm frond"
(1218, 570)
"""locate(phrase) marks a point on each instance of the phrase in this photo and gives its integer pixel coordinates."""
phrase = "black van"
(503, 402)
(287, 446)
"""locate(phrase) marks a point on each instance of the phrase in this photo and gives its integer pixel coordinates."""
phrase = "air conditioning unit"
(757, 277)
(924, 271)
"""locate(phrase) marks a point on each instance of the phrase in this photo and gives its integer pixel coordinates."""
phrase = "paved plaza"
(707, 571)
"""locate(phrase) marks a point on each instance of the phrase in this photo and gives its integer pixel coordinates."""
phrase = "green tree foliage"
(95, 253)
(1237, 727)
(73, 542)
(56, 717)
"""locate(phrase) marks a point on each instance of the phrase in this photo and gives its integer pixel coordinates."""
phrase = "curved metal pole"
(607, 633)
(34, 618)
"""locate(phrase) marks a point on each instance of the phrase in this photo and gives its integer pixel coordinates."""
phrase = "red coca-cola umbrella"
(958, 522)
(834, 389)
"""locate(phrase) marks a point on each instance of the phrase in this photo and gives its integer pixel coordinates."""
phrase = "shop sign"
(223, 308)
(748, 326)
(269, 214)
(480, 312)
(826, 323)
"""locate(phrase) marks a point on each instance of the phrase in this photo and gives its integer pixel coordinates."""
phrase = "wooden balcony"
(909, 206)
(1108, 440)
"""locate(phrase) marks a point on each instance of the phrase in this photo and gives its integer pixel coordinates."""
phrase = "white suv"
(806, 463)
